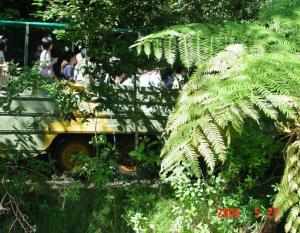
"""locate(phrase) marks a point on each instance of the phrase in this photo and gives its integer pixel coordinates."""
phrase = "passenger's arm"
(2, 60)
(3, 64)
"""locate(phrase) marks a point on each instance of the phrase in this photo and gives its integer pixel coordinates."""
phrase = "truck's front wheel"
(69, 148)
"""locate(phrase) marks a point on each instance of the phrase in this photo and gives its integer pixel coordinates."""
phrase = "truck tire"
(126, 165)
(68, 148)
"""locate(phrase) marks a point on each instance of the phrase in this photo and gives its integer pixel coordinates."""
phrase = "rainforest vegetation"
(228, 158)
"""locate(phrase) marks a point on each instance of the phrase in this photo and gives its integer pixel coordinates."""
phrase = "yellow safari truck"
(139, 111)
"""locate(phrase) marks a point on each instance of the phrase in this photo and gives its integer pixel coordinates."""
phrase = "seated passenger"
(168, 79)
(63, 65)
(151, 79)
(68, 71)
(179, 78)
(81, 66)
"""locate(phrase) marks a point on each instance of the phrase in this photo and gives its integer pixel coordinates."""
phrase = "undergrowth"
(96, 211)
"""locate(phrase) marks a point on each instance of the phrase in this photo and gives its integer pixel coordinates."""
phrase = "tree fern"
(227, 101)
(244, 71)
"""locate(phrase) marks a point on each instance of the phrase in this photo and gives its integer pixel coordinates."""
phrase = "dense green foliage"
(107, 209)
(15, 9)
(244, 72)
(96, 23)
(24, 175)
(222, 132)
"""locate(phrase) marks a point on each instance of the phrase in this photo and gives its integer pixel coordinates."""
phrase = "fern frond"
(139, 49)
(191, 159)
(213, 135)
(207, 153)
(170, 49)
(288, 197)
(184, 45)
(172, 158)
(147, 48)
(267, 108)
(157, 49)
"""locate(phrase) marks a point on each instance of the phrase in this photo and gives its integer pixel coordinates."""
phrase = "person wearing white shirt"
(3, 49)
(3, 64)
(178, 78)
(151, 79)
(46, 61)
(2, 58)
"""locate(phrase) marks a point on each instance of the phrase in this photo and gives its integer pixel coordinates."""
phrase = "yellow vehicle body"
(16, 128)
